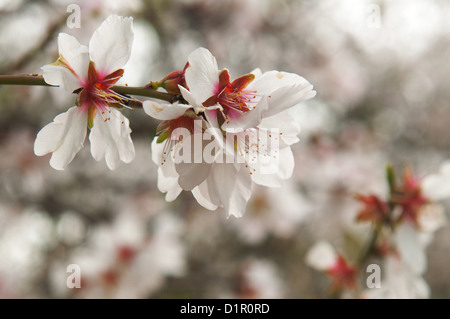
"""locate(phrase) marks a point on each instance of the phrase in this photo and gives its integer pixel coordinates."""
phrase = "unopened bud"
(171, 81)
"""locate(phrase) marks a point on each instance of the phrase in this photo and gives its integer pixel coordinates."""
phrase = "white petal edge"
(75, 54)
(230, 187)
(60, 76)
(165, 163)
(110, 45)
(111, 139)
(197, 106)
(202, 75)
(431, 217)
(271, 172)
(410, 248)
(168, 185)
(195, 170)
(283, 89)
(164, 111)
(287, 126)
(270, 81)
(201, 194)
(437, 186)
(322, 256)
(64, 137)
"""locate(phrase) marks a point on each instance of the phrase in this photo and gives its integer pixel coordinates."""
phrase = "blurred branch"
(36, 79)
(26, 58)
(386, 220)
(369, 248)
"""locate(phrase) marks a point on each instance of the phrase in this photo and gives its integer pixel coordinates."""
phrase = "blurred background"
(381, 70)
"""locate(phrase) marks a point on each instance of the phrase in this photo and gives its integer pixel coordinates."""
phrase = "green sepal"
(390, 176)
(163, 126)
(91, 114)
(163, 136)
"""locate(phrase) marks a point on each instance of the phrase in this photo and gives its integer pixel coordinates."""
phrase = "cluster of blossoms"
(403, 226)
(124, 260)
(216, 140)
(222, 138)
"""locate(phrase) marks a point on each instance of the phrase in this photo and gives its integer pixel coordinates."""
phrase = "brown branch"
(36, 79)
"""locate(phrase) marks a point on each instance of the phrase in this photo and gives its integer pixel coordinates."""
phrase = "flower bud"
(171, 81)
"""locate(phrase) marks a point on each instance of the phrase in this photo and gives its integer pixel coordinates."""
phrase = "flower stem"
(369, 247)
(37, 79)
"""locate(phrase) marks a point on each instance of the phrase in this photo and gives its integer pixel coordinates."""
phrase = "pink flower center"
(233, 96)
(409, 196)
(374, 208)
(95, 93)
(342, 274)
(125, 253)
(167, 132)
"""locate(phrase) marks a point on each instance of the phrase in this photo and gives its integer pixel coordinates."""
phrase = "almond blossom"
(423, 216)
(400, 282)
(323, 257)
(258, 279)
(125, 260)
(248, 137)
(402, 227)
(273, 212)
(90, 72)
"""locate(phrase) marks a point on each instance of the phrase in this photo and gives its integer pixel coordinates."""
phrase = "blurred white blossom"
(400, 282)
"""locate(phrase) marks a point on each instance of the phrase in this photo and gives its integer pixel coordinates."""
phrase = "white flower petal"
(168, 185)
(322, 256)
(167, 175)
(257, 72)
(270, 81)
(64, 137)
(287, 163)
(191, 173)
(398, 282)
(164, 111)
(410, 248)
(402, 281)
(431, 217)
(268, 180)
(157, 151)
(437, 186)
(283, 89)
(286, 125)
(286, 97)
(270, 160)
(60, 76)
(202, 75)
(213, 128)
(230, 187)
(272, 171)
(111, 139)
(197, 106)
(164, 162)
(74, 54)
(201, 194)
(110, 45)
